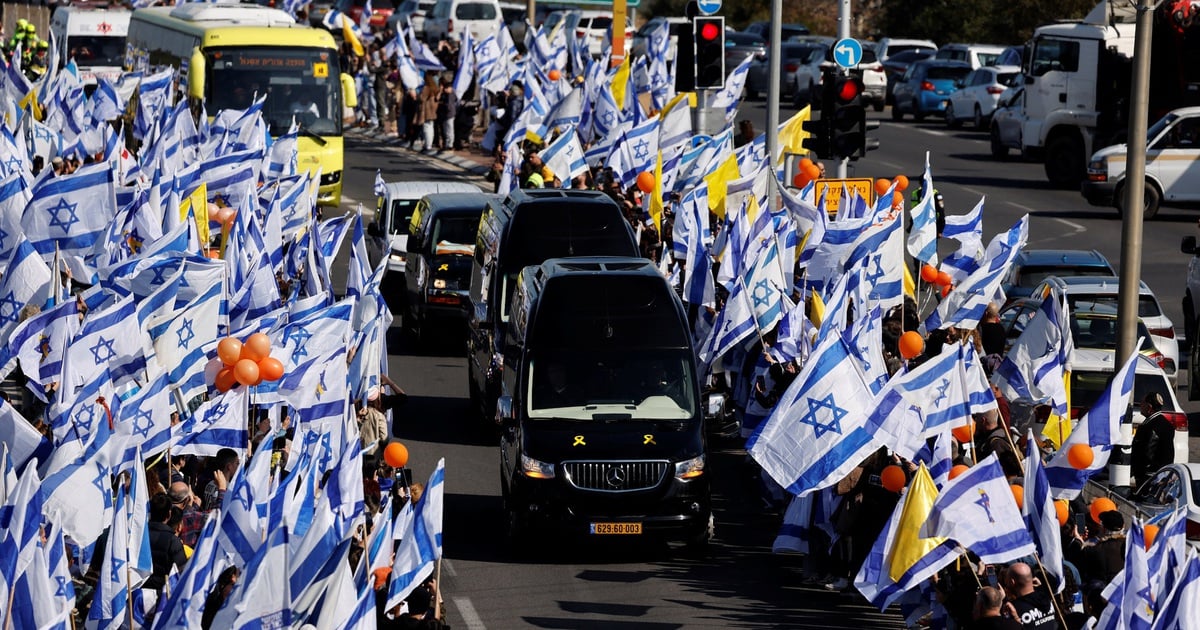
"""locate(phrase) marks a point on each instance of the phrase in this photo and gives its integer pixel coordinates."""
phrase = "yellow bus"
(226, 54)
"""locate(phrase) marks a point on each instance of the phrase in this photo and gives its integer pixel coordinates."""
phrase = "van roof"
(416, 190)
(458, 201)
(598, 264)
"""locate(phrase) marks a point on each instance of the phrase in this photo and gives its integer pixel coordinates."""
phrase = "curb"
(448, 157)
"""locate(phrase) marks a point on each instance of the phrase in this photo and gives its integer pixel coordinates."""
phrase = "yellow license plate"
(616, 528)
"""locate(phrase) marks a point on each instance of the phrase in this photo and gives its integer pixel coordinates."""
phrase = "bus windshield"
(96, 50)
(300, 84)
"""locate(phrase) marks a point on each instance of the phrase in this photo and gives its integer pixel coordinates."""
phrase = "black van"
(527, 228)
(441, 242)
(603, 427)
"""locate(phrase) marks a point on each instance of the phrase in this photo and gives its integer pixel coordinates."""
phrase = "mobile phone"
(1080, 523)
(991, 577)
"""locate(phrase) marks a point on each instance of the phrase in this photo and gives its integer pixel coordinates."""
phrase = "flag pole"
(437, 590)
(1053, 599)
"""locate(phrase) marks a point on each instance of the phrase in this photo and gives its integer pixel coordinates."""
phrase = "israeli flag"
(564, 156)
(963, 307)
(219, 423)
(734, 324)
(1039, 513)
(71, 211)
(1033, 368)
(26, 282)
(421, 545)
(922, 237)
(1181, 608)
(731, 95)
(978, 511)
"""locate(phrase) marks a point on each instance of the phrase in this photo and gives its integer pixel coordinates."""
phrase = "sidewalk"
(473, 160)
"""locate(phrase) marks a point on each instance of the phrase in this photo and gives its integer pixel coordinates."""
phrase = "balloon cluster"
(645, 182)
(248, 363)
(931, 275)
(809, 172)
(222, 215)
(883, 185)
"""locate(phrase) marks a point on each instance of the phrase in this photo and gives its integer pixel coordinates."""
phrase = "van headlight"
(690, 469)
(1097, 170)
(536, 469)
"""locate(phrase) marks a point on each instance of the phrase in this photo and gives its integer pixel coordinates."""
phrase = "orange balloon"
(1100, 506)
(229, 217)
(225, 380)
(805, 163)
(554, 75)
(1062, 510)
(271, 369)
(1150, 533)
(944, 279)
(246, 372)
(1080, 456)
(882, 185)
(901, 183)
(813, 171)
(229, 350)
(893, 478)
(645, 182)
(911, 344)
(965, 433)
(897, 198)
(929, 273)
(1018, 494)
(946, 290)
(396, 455)
(800, 180)
(958, 469)
(257, 347)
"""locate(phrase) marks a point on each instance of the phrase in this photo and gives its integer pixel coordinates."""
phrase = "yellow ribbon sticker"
(648, 439)
(579, 441)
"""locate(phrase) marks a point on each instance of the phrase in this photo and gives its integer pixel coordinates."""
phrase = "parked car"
(1172, 165)
(1174, 486)
(886, 47)
(792, 54)
(449, 18)
(641, 38)
(592, 25)
(1093, 327)
(1091, 370)
(787, 31)
(1007, 122)
(925, 88)
(388, 232)
(806, 78)
(415, 11)
(738, 46)
(1032, 266)
(354, 9)
(896, 65)
(976, 100)
(1102, 290)
(977, 55)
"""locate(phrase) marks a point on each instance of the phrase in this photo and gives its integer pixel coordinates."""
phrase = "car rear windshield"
(456, 228)
(946, 72)
(987, 59)
(1033, 275)
(1147, 305)
(895, 49)
(601, 23)
(475, 11)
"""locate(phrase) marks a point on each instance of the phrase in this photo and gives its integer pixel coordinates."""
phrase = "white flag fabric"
(421, 546)
(977, 509)
(26, 282)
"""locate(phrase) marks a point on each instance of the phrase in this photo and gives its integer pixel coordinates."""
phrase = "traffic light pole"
(773, 69)
(843, 169)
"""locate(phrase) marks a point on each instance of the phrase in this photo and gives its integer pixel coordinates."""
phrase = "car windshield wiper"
(305, 132)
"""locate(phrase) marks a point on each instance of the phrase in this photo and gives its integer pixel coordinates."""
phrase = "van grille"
(615, 476)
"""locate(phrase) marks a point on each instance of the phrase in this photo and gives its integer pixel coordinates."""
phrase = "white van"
(388, 233)
(94, 37)
(1172, 165)
(449, 18)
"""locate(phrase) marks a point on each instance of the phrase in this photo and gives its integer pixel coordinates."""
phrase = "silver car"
(979, 95)
(792, 56)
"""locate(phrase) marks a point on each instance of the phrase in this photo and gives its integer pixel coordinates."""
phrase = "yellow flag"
(197, 202)
(620, 83)
(348, 35)
(656, 195)
(1058, 428)
(30, 102)
(910, 286)
(717, 184)
(908, 547)
(816, 309)
(792, 133)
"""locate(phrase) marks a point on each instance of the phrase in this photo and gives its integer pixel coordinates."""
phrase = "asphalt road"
(738, 583)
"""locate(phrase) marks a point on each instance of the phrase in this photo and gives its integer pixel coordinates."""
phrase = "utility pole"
(1135, 185)
(531, 13)
(773, 68)
(843, 169)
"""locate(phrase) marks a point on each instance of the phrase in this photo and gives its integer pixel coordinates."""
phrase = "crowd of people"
(33, 51)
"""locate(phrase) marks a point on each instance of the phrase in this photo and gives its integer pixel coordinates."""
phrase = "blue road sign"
(847, 52)
(708, 7)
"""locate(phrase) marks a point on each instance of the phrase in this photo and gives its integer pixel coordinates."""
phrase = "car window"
(868, 56)
(1033, 275)
(1162, 489)
(946, 72)
(895, 49)
(601, 23)
(1147, 305)
(987, 59)
(1184, 135)
(972, 78)
(1055, 55)
(402, 213)
(475, 11)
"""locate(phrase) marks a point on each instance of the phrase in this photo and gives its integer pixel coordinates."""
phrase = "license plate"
(615, 528)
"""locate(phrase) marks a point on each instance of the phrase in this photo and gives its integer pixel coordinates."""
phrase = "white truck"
(94, 36)
(1077, 82)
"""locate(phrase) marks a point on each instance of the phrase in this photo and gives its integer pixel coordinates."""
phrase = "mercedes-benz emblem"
(615, 477)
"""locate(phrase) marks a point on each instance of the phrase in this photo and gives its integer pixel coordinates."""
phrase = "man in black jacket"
(165, 547)
(1154, 443)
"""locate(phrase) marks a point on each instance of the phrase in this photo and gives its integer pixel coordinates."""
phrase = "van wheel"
(516, 531)
(1150, 200)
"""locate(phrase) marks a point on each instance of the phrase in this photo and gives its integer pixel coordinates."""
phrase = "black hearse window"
(459, 230)
(618, 384)
(402, 212)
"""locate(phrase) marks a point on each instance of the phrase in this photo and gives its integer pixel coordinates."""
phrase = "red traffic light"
(709, 31)
(849, 89)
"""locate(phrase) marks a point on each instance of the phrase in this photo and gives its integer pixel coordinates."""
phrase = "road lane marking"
(899, 168)
(1071, 224)
(932, 132)
(467, 610)
(448, 568)
(974, 192)
(1020, 207)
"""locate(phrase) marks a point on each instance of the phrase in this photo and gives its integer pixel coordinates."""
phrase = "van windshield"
(96, 50)
(458, 230)
(402, 212)
(612, 385)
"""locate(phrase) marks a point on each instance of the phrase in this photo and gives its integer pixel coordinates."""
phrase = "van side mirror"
(349, 93)
(504, 411)
(1188, 246)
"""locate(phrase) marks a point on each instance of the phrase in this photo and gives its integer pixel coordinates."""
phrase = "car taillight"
(790, 67)
(1169, 333)
(995, 90)
(579, 33)
(1158, 358)
(1178, 419)
(449, 26)
(927, 86)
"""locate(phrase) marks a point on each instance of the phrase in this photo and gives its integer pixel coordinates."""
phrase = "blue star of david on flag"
(62, 586)
(42, 133)
(242, 495)
(761, 293)
(941, 391)
(102, 484)
(10, 308)
(117, 565)
(641, 150)
(60, 221)
(104, 346)
(607, 118)
(876, 269)
(3, 238)
(85, 417)
(835, 415)
(140, 428)
(218, 412)
(185, 334)
(159, 275)
(300, 337)
(14, 164)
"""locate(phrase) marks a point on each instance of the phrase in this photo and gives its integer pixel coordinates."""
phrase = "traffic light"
(708, 35)
(818, 138)
(848, 123)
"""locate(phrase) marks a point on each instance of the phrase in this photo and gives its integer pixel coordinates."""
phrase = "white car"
(388, 232)
(1007, 123)
(808, 75)
(978, 55)
(592, 25)
(1101, 292)
(1172, 165)
(888, 46)
(979, 95)
(449, 18)
(1172, 487)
